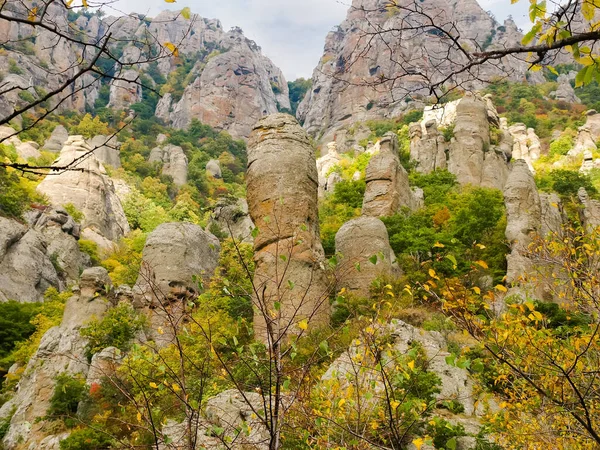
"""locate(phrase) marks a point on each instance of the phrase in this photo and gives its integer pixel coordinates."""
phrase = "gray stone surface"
(173, 160)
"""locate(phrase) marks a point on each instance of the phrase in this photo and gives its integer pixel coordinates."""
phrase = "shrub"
(91, 249)
(77, 215)
(118, 327)
(69, 390)
(86, 439)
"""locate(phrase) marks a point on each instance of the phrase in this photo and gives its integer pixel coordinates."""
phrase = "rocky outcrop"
(588, 135)
(233, 88)
(213, 168)
(282, 187)
(526, 145)
(174, 254)
(174, 162)
(387, 190)
(565, 92)
(325, 164)
(57, 140)
(89, 189)
(61, 351)
(125, 90)
(107, 150)
(589, 163)
(233, 84)
(39, 255)
(428, 148)
(350, 82)
(475, 154)
(358, 242)
(354, 371)
(590, 212)
(232, 219)
(523, 216)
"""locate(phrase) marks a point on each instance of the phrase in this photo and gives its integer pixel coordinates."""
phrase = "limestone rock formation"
(589, 163)
(527, 145)
(57, 140)
(325, 163)
(428, 148)
(173, 160)
(233, 83)
(355, 57)
(90, 190)
(470, 154)
(233, 219)
(61, 350)
(357, 241)
(565, 91)
(282, 186)
(27, 150)
(523, 215)
(213, 167)
(233, 89)
(588, 134)
(387, 190)
(107, 150)
(590, 213)
(126, 90)
(37, 256)
(174, 254)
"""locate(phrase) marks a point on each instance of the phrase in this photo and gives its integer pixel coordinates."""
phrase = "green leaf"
(451, 444)
(323, 345)
(291, 284)
(373, 259)
(452, 259)
(254, 232)
(357, 267)
(581, 76)
(283, 258)
(532, 34)
(451, 360)
(186, 13)
(277, 306)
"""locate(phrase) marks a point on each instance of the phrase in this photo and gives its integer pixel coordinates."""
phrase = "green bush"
(566, 183)
(118, 327)
(350, 193)
(86, 439)
(69, 390)
(15, 326)
(91, 249)
(77, 215)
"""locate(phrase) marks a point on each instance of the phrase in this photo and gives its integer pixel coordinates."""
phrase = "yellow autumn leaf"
(418, 443)
(139, 417)
(341, 402)
(303, 325)
(186, 13)
(438, 245)
(411, 365)
(480, 246)
(175, 387)
(394, 404)
(172, 48)
(374, 425)
(32, 13)
(170, 1)
(84, 3)
(153, 385)
(388, 286)
(160, 330)
(482, 264)
(501, 288)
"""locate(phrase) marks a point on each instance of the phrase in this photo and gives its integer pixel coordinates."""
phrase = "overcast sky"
(290, 32)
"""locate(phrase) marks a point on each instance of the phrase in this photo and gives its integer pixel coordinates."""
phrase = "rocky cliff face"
(90, 190)
(353, 58)
(232, 83)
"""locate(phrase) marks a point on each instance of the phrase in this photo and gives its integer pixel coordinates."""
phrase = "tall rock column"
(387, 188)
(472, 139)
(282, 186)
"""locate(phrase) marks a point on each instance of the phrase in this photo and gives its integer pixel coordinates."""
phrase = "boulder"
(282, 189)
(232, 219)
(565, 91)
(213, 168)
(387, 190)
(89, 189)
(173, 160)
(357, 242)
(57, 139)
(61, 351)
(107, 150)
(28, 150)
(174, 254)
(587, 135)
